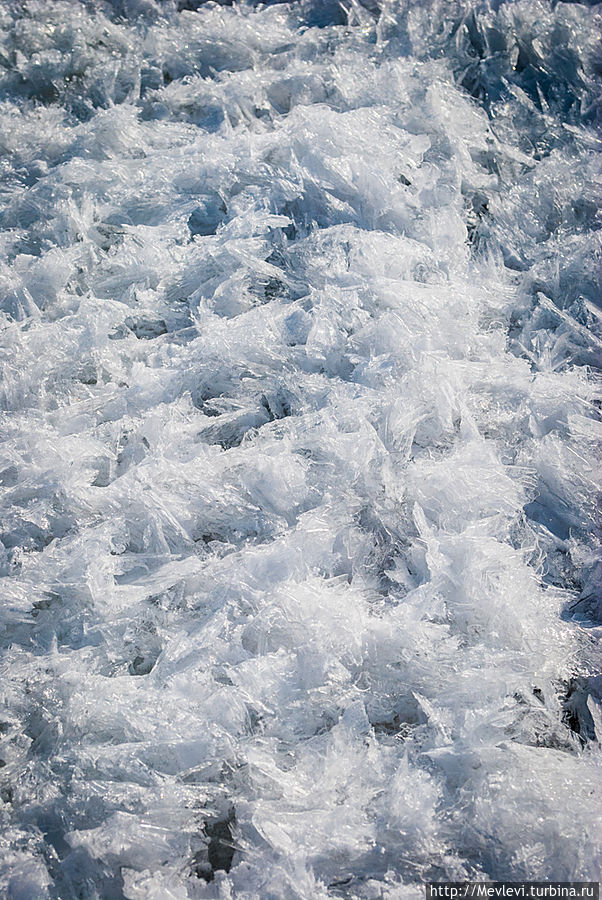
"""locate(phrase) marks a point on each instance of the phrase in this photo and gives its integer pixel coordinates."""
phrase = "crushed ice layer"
(300, 443)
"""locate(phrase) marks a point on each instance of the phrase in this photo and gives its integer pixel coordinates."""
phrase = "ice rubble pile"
(300, 318)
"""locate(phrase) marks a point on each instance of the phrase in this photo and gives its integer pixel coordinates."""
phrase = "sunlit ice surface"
(300, 331)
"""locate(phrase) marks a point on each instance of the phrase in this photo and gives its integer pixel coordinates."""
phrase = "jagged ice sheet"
(300, 435)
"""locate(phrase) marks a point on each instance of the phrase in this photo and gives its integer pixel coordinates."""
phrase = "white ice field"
(300, 321)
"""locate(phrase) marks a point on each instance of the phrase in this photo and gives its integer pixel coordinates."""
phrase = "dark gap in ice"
(194, 5)
(324, 13)
(146, 327)
(142, 665)
(220, 850)
(207, 217)
(9, 476)
(230, 428)
(583, 695)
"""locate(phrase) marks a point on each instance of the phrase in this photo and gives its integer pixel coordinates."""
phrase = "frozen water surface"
(300, 324)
